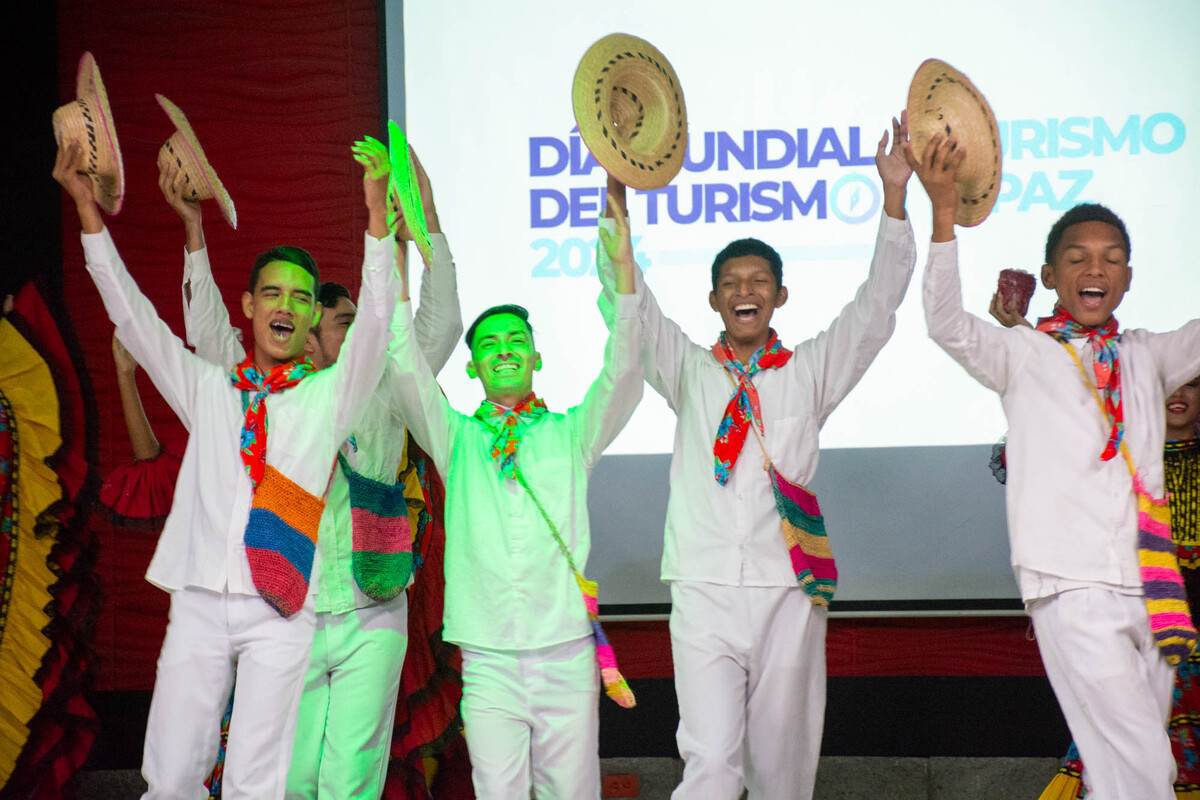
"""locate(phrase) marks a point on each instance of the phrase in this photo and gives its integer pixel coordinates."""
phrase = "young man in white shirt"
(516, 477)
(747, 640)
(237, 548)
(1079, 395)
(344, 728)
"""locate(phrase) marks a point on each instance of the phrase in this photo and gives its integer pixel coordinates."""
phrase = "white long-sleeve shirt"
(379, 437)
(1072, 518)
(201, 544)
(730, 534)
(507, 585)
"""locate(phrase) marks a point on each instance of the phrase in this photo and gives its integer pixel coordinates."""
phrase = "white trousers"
(344, 733)
(210, 636)
(532, 721)
(1113, 687)
(750, 680)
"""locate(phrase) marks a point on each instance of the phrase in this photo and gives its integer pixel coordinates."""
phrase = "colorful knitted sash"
(381, 557)
(803, 530)
(743, 408)
(507, 430)
(804, 533)
(281, 532)
(1162, 583)
(615, 685)
(281, 537)
(247, 377)
(1107, 367)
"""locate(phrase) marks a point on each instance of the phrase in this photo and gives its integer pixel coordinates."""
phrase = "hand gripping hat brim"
(88, 120)
(943, 100)
(184, 149)
(630, 110)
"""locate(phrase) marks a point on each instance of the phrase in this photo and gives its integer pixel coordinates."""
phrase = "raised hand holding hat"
(630, 110)
(200, 180)
(943, 102)
(88, 122)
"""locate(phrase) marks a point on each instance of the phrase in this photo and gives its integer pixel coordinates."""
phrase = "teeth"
(745, 307)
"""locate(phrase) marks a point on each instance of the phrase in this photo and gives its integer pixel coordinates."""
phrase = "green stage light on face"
(503, 356)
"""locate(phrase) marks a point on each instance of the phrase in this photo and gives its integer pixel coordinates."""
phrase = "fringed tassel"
(1066, 785)
(615, 685)
(1162, 583)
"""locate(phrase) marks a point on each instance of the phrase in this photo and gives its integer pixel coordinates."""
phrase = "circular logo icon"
(854, 198)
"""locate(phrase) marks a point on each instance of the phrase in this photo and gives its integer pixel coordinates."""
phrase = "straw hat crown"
(88, 120)
(630, 110)
(184, 149)
(943, 100)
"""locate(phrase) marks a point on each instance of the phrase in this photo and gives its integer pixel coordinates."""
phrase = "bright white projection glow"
(1104, 108)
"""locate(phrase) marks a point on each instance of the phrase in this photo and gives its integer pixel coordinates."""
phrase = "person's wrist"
(432, 223)
(944, 212)
(894, 198)
(943, 224)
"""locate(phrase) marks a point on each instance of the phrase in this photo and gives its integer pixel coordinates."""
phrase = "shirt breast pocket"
(789, 440)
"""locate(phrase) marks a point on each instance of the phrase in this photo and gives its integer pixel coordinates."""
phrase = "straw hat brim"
(208, 176)
(943, 100)
(89, 87)
(630, 110)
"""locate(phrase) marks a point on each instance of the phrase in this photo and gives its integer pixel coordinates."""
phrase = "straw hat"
(184, 149)
(630, 110)
(943, 100)
(88, 120)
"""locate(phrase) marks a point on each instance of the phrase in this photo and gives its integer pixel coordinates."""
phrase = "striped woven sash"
(1162, 583)
(803, 529)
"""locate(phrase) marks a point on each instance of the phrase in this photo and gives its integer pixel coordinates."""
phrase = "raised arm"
(141, 436)
(174, 370)
(663, 343)
(613, 396)
(980, 347)
(205, 316)
(840, 355)
(438, 322)
(359, 367)
(412, 387)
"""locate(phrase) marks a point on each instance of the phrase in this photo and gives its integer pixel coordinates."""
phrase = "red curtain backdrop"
(276, 92)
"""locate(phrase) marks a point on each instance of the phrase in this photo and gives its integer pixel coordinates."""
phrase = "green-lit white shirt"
(507, 585)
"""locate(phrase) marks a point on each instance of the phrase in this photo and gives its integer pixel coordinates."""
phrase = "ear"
(317, 309)
(781, 297)
(471, 372)
(248, 305)
(1129, 278)
(537, 362)
(1047, 276)
(712, 301)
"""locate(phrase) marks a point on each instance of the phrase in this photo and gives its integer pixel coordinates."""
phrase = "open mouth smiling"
(1092, 297)
(281, 330)
(745, 311)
